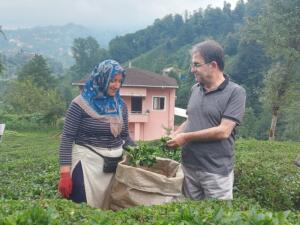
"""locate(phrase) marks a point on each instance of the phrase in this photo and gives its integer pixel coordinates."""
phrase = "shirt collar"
(221, 87)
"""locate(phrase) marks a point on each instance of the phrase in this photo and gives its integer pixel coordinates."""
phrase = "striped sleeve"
(125, 133)
(71, 125)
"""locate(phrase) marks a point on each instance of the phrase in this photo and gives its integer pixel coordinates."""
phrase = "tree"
(87, 54)
(292, 118)
(276, 92)
(25, 97)
(250, 64)
(278, 29)
(248, 127)
(38, 72)
(239, 11)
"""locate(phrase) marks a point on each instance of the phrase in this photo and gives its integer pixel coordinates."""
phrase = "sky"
(104, 14)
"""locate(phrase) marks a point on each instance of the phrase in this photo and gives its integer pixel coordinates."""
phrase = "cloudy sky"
(113, 14)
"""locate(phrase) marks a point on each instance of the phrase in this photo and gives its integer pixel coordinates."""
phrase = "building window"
(159, 103)
(136, 104)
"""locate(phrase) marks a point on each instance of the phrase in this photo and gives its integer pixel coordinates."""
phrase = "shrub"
(202, 212)
(34, 121)
(25, 98)
(266, 172)
(265, 177)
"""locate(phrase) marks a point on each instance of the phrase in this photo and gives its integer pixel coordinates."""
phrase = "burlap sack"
(134, 186)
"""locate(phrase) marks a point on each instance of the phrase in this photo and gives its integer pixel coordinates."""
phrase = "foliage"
(168, 152)
(87, 54)
(172, 32)
(37, 71)
(248, 128)
(276, 27)
(29, 175)
(51, 41)
(253, 45)
(23, 97)
(278, 91)
(28, 165)
(266, 172)
(145, 153)
(26, 98)
(291, 118)
(64, 212)
(277, 86)
(132, 45)
(66, 90)
(250, 63)
(279, 28)
(256, 36)
(32, 121)
(141, 155)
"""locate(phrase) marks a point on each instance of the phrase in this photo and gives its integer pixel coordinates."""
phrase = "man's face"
(200, 69)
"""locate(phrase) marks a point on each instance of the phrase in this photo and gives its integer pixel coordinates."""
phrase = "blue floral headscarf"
(96, 88)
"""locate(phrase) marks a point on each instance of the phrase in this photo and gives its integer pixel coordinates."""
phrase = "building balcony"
(138, 117)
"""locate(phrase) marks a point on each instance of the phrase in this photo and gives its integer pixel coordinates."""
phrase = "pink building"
(150, 99)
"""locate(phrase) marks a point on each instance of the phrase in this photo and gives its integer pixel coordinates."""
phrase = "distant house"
(150, 99)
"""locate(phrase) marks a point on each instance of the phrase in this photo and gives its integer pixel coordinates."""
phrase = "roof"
(136, 77)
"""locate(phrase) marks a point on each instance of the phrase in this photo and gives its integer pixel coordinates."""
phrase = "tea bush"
(25, 122)
(29, 165)
(209, 212)
(264, 171)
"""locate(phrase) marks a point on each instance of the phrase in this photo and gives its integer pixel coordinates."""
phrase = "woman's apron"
(97, 184)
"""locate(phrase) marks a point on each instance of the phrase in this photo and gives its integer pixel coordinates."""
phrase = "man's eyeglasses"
(198, 65)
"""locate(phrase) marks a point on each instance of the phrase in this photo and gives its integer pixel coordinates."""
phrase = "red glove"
(65, 184)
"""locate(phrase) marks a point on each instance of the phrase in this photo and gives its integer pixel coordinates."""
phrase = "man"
(215, 108)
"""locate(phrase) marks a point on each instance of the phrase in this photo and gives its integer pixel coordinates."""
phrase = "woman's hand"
(65, 181)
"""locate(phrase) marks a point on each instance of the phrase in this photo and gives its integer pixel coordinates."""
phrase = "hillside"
(267, 184)
(260, 55)
(51, 41)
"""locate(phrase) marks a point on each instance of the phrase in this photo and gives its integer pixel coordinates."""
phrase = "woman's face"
(114, 85)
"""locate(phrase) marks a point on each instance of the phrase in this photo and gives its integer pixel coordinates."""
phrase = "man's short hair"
(210, 50)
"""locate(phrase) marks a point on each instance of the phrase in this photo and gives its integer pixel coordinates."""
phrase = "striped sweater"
(79, 127)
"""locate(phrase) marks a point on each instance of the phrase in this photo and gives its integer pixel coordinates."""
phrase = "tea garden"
(266, 191)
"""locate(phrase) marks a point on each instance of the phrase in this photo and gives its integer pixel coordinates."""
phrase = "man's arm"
(179, 129)
(220, 132)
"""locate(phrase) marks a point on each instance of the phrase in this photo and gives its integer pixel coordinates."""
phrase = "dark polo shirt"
(206, 110)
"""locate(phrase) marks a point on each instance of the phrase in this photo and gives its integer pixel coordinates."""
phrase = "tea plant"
(265, 176)
(141, 155)
(168, 152)
(144, 154)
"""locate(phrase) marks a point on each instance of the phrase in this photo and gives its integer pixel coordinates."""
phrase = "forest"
(261, 40)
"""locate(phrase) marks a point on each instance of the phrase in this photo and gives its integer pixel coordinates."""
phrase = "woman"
(96, 123)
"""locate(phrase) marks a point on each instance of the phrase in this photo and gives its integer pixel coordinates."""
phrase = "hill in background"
(51, 41)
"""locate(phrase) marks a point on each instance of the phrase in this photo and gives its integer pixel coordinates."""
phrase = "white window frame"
(165, 102)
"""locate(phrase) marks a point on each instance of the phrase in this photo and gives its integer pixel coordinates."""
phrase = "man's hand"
(177, 140)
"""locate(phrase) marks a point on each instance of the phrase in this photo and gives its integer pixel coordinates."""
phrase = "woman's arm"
(70, 130)
(125, 133)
